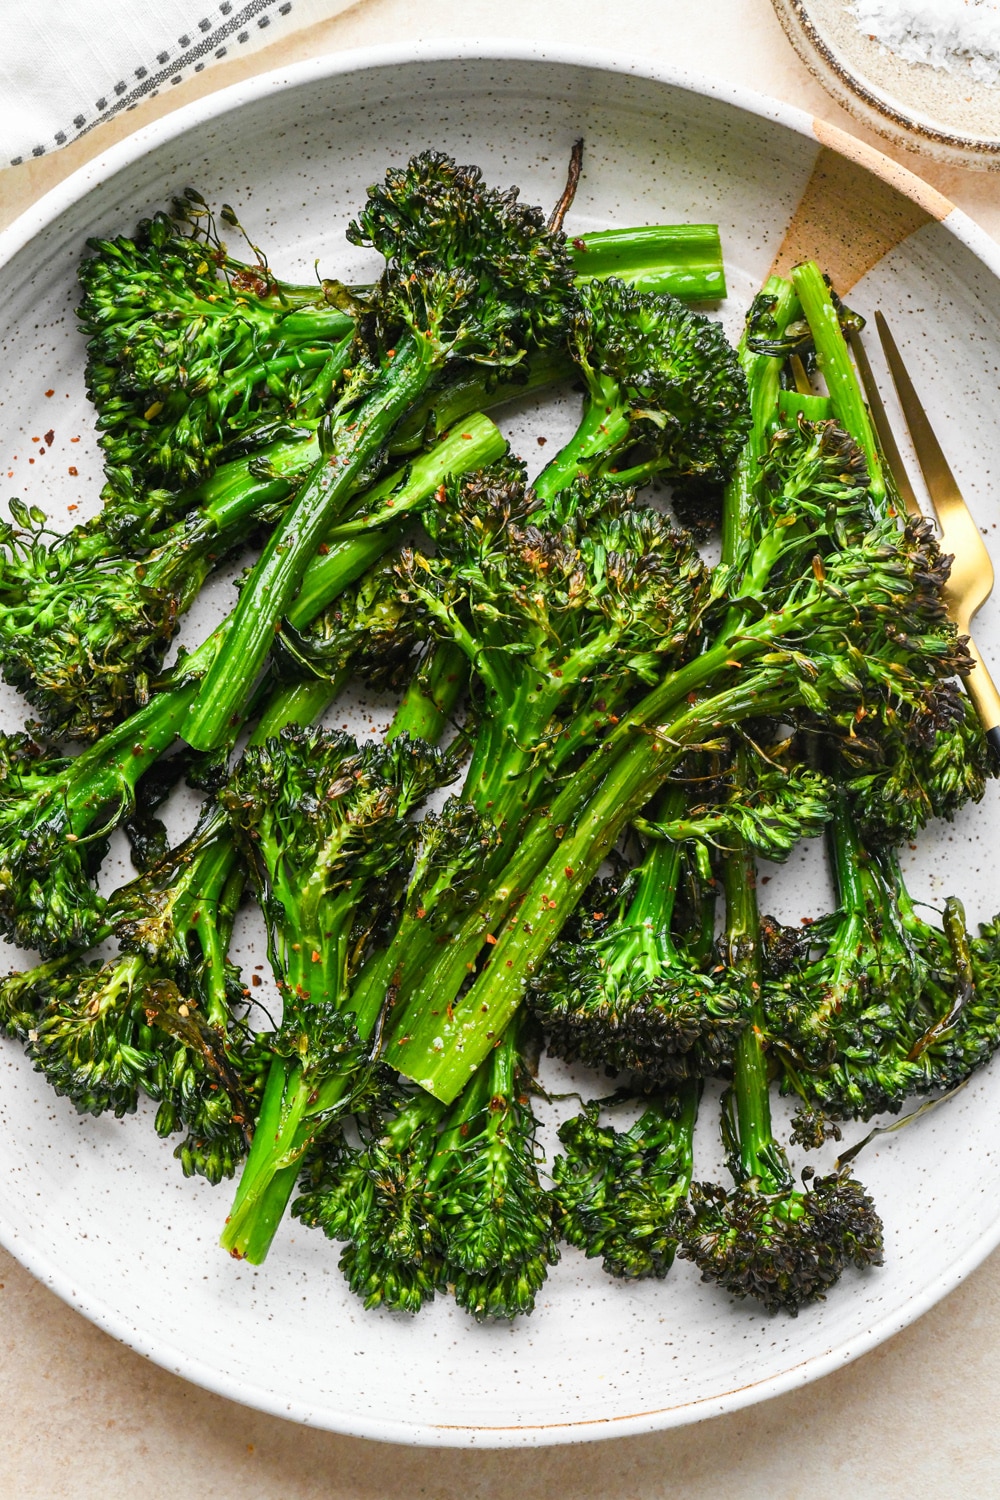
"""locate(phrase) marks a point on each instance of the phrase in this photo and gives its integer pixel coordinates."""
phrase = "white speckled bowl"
(98, 1209)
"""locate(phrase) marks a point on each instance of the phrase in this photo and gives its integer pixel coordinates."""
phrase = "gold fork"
(971, 580)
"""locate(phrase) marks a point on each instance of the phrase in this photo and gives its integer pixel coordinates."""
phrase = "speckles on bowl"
(98, 1208)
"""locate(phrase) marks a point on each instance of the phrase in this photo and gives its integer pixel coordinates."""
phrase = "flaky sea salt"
(960, 36)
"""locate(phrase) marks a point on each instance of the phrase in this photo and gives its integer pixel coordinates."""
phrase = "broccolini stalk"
(768, 1239)
(84, 635)
(592, 607)
(435, 1197)
(559, 623)
(622, 996)
(54, 814)
(622, 1194)
(322, 822)
(683, 260)
(834, 360)
(181, 356)
(361, 1013)
(431, 694)
(487, 293)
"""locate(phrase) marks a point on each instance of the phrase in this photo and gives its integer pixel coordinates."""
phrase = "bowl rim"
(116, 159)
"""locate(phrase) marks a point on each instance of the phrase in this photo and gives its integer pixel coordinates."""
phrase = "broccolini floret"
(622, 1194)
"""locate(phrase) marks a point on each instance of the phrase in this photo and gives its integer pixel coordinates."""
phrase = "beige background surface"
(919, 1417)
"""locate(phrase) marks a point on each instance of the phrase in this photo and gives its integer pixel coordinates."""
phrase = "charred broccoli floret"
(622, 1194)
(664, 392)
(623, 996)
(768, 1239)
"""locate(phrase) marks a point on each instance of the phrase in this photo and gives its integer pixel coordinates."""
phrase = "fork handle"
(985, 699)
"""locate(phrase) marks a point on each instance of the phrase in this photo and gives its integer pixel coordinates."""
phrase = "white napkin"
(66, 65)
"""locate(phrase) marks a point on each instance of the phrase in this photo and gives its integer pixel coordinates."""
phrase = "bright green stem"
(275, 578)
(763, 373)
(760, 1157)
(272, 1166)
(438, 1040)
(475, 389)
(431, 694)
(848, 856)
(632, 752)
(643, 937)
(289, 1111)
(838, 370)
(477, 443)
(300, 703)
(795, 404)
(604, 427)
(472, 444)
(682, 259)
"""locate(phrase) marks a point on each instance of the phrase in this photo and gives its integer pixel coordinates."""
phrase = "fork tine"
(886, 436)
(933, 465)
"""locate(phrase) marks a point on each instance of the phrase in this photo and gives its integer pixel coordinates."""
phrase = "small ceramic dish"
(942, 115)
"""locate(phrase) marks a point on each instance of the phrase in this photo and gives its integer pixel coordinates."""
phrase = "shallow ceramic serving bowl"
(98, 1209)
(943, 115)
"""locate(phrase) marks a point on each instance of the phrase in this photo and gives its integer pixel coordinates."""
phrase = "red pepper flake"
(72, 471)
(580, 245)
(74, 440)
(255, 980)
(50, 436)
(72, 507)
(541, 442)
(316, 957)
(36, 440)
(467, 437)
(568, 872)
(50, 393)
(138, 749)
(322, 549)
(491, 939)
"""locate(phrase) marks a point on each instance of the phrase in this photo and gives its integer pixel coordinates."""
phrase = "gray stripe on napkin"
(207, 42)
